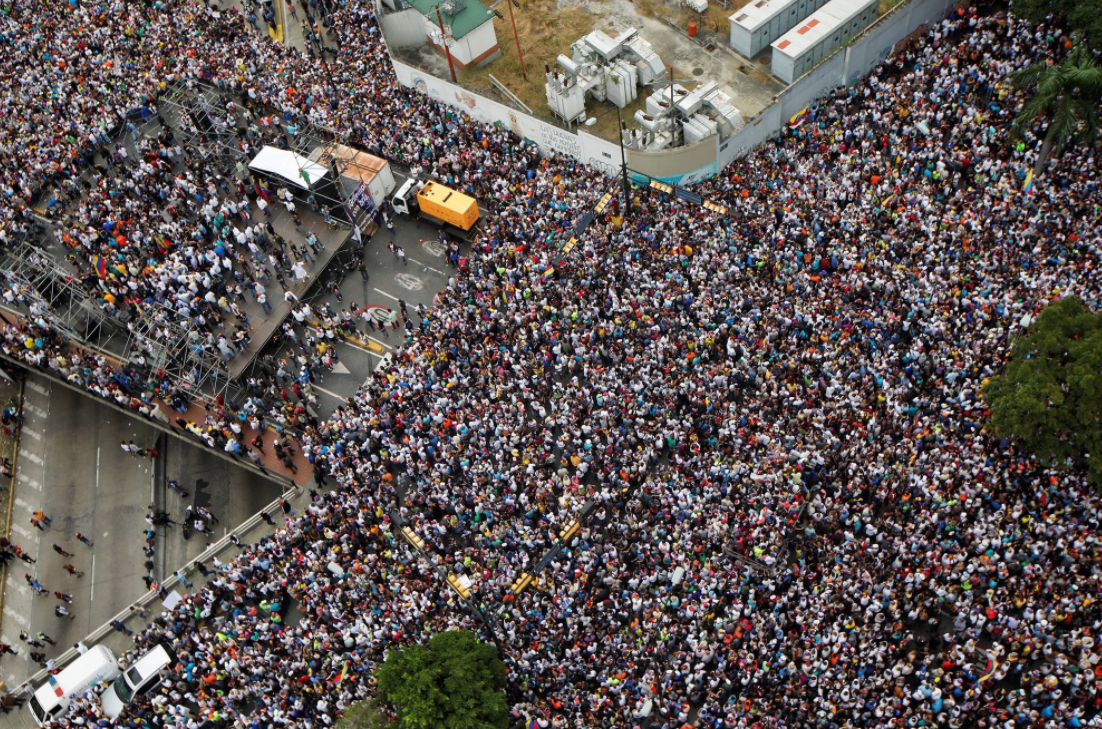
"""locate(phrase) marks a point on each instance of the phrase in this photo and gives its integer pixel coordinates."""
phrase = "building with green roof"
(468, 28)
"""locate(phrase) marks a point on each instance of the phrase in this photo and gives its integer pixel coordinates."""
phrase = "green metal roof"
(463, 22)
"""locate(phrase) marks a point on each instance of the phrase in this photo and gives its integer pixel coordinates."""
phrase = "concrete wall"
(845, 66)
(404, 29)
(878, 41)
(680, 166)
(686, 165)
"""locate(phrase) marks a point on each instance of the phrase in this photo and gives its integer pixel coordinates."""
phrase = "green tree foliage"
(454, 682)
(1050, 395)
(363, 715)
(1083, 16)
(1067, 94)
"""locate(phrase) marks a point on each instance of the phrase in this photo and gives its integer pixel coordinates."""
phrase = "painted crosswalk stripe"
(33, 458)
(37, 387)
(37, 410)
(23, 478)
(31, 433)
(18, 584)
(9, 611)
(22, 531)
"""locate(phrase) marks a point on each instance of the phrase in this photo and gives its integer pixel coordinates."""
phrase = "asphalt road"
(424, 274)
(71, 465)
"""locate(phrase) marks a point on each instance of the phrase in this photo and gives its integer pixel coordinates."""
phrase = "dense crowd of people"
(769, 420)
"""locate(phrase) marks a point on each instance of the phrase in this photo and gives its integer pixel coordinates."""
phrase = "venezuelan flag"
(262, 191)
(547, 274)
(100, 264)
(799, 118)
(1027, 186)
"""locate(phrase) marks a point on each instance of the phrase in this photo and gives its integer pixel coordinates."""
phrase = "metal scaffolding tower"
(56, 295)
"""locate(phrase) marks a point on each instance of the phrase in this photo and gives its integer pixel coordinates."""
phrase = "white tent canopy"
(289, 166)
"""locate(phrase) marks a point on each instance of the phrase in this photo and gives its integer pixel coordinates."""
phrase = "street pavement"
(71, 466)
(231, 494)
(425, 274)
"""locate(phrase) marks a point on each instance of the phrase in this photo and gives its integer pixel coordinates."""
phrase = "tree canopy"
(1050, 395)
(454, 682)
(1066, 95)
(1084, 16)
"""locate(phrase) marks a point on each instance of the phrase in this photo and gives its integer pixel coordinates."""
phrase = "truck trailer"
(457, 214)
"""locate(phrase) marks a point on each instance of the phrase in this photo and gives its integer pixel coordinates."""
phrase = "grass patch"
(545, 31)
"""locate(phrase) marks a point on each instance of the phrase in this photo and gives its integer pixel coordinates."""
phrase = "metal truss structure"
(56, 295)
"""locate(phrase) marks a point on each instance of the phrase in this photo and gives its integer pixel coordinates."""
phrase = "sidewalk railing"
(162, 425)
(152, 596)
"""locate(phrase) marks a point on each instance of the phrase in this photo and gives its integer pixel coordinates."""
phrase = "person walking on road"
(61, 551)
(37, 524)
(63, 596)
(61, 612)
(35, 584)
(41, 516)
(73, 570)
(5, 648)
(26, 638)
(119, 626)
(80, 537)
(48, 639)
(183, 578)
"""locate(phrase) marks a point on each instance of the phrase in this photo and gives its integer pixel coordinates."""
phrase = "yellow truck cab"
(440, 205)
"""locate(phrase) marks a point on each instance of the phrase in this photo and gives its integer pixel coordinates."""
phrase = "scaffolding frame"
(70, 307)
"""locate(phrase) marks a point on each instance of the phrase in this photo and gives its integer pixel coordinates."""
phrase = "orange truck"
(440, 205)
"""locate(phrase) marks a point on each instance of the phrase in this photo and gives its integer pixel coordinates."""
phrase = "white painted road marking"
(36, 410)
(409, 281)
(22, 530)
(433, 248)
(27, 431)
(10, 612)
(330, 393)
(19, 585)
(23, 478)
(33, 458)
(425, 265)
(389, 296)
(37, 387)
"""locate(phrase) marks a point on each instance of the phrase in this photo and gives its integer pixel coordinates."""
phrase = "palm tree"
(1068, 94)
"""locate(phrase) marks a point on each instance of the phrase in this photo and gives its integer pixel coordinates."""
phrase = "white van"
(143, 676)
(52, 699)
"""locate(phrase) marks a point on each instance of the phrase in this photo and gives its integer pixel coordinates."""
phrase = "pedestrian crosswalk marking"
(33, 458)
(22, 530)
(23, 478)
(36, 410)
(8, 610)
(31, 433)
(37, 387)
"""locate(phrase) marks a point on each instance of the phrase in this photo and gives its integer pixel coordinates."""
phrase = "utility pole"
(513, 20)
(444, 38)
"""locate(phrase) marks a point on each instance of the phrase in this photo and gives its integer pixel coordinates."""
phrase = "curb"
(11, 494)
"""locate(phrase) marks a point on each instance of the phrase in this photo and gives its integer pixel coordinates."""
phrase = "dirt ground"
(547, 28)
